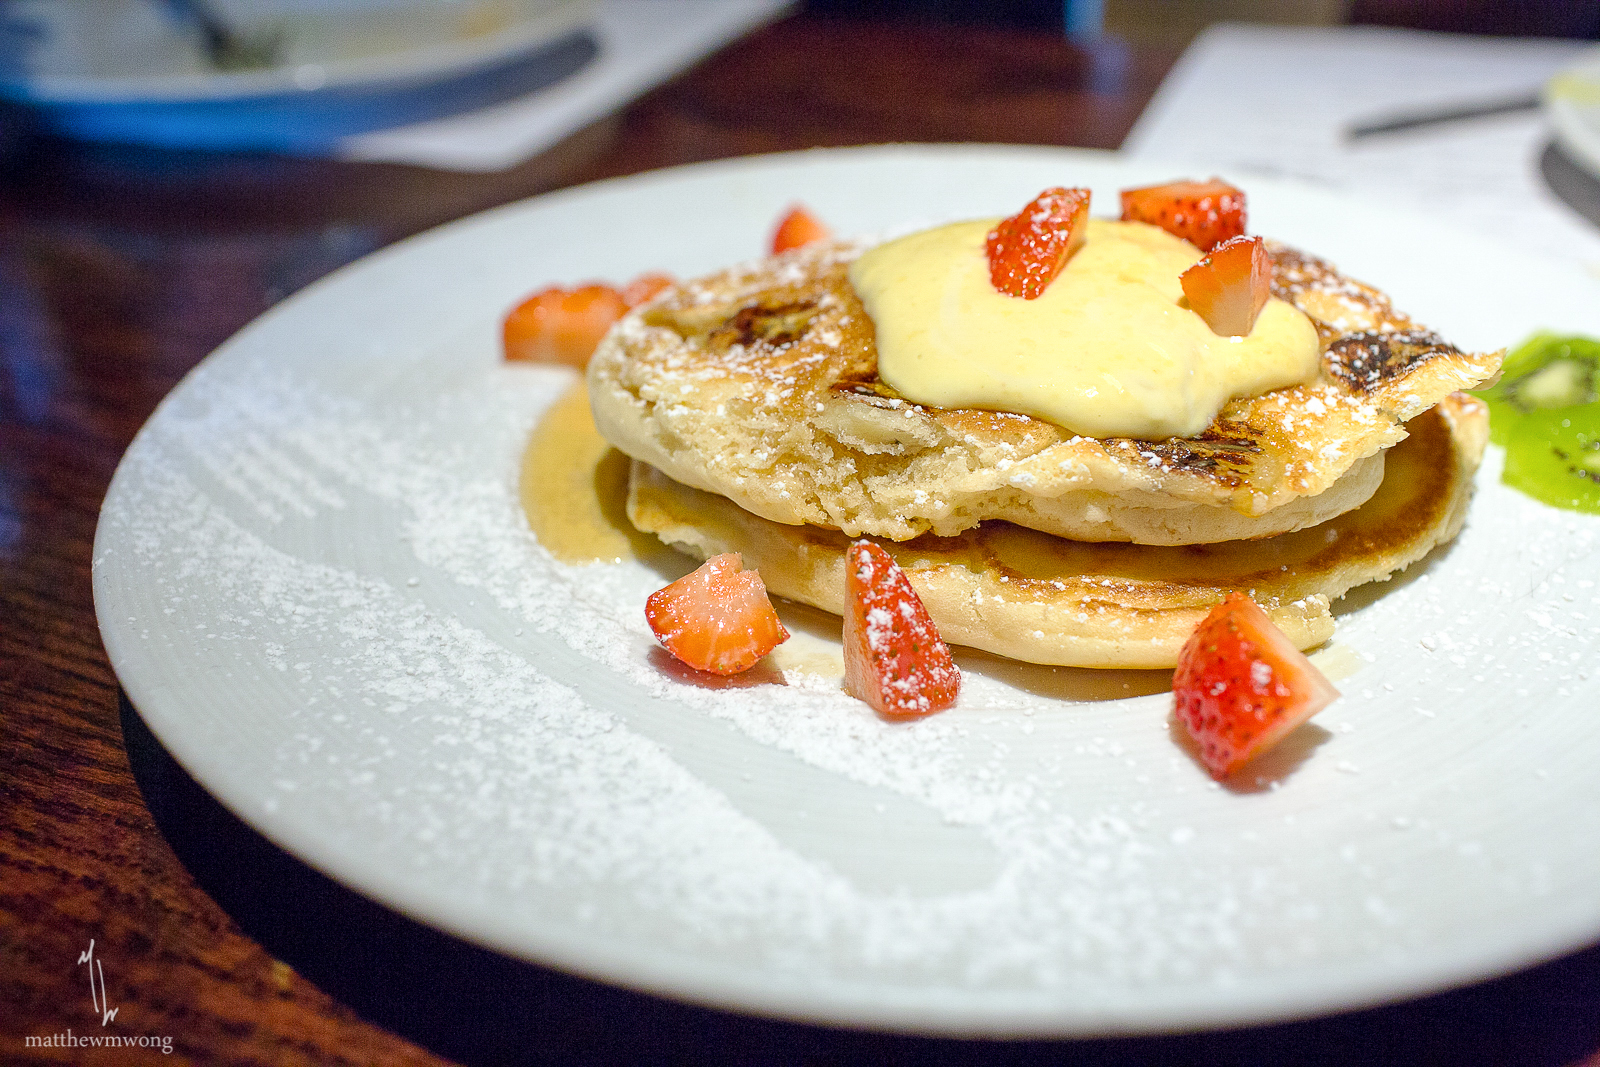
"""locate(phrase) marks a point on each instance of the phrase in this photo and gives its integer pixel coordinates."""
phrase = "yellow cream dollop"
(1107, 351)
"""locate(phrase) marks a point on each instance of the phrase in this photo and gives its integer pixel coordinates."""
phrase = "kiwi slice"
(1546, 371)
(1554, 456)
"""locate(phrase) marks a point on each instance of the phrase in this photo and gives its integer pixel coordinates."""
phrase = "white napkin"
(1277, 100)
(642, 43)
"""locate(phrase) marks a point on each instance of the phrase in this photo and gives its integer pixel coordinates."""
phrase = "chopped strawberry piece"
(1241, 686)
(717, 618)
(1028, 250)
(894, 658)
(644, 287)
(1229, 287)
(558, 325)
(1202, 213)
(798, 227)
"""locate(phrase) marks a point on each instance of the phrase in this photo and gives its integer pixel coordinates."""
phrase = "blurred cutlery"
(1438, 115)
(225, 47)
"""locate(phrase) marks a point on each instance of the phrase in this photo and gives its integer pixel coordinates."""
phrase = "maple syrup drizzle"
(574, 488)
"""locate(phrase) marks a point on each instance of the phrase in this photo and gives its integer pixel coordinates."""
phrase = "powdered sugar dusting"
(415, 719)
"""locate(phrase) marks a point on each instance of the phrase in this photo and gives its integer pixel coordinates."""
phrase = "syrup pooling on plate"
(573, 486)
(1107, 350)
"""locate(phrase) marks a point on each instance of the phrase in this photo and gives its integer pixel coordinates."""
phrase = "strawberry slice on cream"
(1229, 287)
(1028, 250)
(1203, 213)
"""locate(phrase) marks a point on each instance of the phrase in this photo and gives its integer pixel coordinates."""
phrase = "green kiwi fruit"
(1554, 456)
(1546, 371)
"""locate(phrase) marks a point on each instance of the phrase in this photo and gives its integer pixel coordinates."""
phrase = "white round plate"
(315, 581)
(128, 70)
(1572, 100)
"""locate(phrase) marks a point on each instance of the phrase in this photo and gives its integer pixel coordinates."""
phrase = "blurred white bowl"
(1572, 100)
(131, 70)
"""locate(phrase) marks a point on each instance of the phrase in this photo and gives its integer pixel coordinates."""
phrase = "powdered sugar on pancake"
(760, 384)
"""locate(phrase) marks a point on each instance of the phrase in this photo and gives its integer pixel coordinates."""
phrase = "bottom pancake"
(1043, 599)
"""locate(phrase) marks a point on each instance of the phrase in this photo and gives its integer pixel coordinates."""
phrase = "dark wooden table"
(122, 268)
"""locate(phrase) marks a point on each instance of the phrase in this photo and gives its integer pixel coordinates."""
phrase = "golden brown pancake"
(1032, 596)
(760, 384)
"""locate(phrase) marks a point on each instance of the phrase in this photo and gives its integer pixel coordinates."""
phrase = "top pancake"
(760, 384)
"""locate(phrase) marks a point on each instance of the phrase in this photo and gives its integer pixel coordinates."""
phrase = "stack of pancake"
(751, 405)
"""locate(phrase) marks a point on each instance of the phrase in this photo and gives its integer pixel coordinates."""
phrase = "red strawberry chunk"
(1202, 213)
(1028, 250)
(1229, 287)
(557, 325)
(799, 227)
(644, 287)
(1241, 686)
(894, 658)
(717, 618)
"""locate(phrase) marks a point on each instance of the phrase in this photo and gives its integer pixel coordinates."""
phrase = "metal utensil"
(1438, 115)
(226, 48)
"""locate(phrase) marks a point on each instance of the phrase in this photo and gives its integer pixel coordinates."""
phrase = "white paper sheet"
(1275, 100)
(642, 44)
